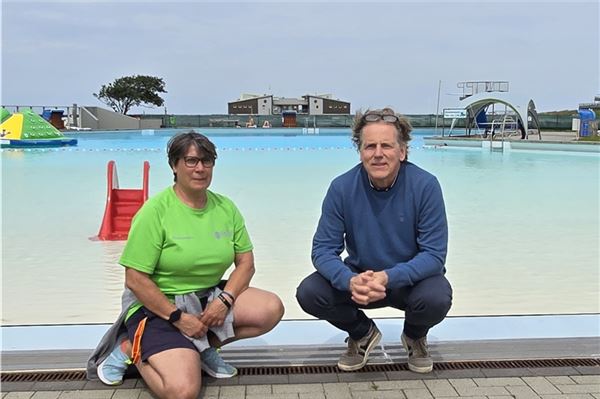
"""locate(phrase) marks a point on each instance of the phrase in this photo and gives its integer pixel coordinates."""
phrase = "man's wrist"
(385, 278)
(351, 282)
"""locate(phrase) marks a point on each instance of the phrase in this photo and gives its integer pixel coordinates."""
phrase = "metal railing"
(471, 88)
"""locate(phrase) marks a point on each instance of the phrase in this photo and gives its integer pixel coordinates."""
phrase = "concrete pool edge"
(589, 147)
(316, 332)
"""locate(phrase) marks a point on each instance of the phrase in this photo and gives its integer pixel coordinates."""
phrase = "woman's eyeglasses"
(379, 117)
(191, 162)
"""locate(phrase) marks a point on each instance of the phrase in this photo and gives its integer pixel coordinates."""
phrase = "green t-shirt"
(184, 249)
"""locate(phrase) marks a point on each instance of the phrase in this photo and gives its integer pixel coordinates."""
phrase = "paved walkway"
(525, 387)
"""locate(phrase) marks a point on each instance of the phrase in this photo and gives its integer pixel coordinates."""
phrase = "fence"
(548, 121)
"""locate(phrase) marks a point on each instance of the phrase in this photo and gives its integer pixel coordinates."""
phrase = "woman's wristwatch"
(175, 316)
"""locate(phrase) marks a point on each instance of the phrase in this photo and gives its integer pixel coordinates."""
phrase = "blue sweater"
(402, 231)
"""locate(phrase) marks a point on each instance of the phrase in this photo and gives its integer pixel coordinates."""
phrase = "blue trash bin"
(586, 117)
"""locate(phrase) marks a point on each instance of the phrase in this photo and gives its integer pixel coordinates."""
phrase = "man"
(388, 214)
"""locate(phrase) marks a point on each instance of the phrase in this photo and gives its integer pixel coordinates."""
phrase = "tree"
(130, 91)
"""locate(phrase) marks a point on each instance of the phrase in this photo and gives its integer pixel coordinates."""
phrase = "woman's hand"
(214, 314)
(191, 326)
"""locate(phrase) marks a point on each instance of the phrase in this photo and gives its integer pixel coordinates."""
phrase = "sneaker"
(213, 364)
(357, 354)
(419, 360)
(113, 368)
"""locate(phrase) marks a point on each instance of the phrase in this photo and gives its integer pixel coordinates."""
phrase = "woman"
(250, 122)
(176, 308)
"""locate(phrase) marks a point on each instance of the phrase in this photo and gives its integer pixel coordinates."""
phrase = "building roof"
(289, 101)
(326, 96)
(249, 96)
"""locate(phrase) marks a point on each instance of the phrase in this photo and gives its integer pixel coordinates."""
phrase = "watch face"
(175, 316)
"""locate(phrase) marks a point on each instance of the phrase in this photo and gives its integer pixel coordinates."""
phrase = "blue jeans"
(425, 304)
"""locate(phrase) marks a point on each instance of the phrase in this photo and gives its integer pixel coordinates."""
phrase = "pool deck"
(566, 387)
(457, 339)
(547, 384)
(516, 382)
(551, 141)
(493, 383)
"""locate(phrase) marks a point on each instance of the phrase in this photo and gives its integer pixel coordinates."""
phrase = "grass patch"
(590, 138)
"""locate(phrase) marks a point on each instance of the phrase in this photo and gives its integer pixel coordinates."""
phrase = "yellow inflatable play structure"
(26, 129)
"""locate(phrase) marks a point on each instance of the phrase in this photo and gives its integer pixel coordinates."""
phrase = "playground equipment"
(55, 117)
(4, 114)
(121, 205)
(26, 129)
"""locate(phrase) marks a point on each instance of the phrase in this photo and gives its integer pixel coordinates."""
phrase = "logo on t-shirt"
(182, 237)
(223, 234)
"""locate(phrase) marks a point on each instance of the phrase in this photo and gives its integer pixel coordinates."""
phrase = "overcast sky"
(370, 54)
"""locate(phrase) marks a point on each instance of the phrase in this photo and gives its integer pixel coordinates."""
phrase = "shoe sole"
(211, 373)
(420, 370)
(359, 366)
(102, 378)
(411, 367)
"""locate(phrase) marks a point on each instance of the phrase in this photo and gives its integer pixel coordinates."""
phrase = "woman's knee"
(183, 388)
(262, 310)
(173, 373)
(274, 310)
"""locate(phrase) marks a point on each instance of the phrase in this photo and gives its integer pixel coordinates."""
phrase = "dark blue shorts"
(159, 335)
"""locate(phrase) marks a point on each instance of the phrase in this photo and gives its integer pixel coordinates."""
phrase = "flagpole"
(437, 110)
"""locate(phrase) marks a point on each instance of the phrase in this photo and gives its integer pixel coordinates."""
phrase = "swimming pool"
(524, 226)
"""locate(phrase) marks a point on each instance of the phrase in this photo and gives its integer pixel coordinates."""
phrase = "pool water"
(524, 226)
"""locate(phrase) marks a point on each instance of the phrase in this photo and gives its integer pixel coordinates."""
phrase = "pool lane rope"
(242, 149)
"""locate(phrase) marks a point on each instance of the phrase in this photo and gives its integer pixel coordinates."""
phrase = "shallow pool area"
(524, 225)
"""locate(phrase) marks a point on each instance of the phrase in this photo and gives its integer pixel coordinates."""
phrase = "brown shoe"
(357, 354)
(419, 360)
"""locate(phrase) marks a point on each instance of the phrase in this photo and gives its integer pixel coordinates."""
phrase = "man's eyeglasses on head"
(191, 162)
(373, 117)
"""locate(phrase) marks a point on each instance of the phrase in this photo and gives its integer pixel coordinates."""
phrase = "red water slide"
(121, 205)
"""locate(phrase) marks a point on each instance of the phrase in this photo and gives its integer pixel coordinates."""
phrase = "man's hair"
(179, 144)
(402, 125)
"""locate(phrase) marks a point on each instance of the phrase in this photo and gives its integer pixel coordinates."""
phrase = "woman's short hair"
(178, 146)
(402, 125)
